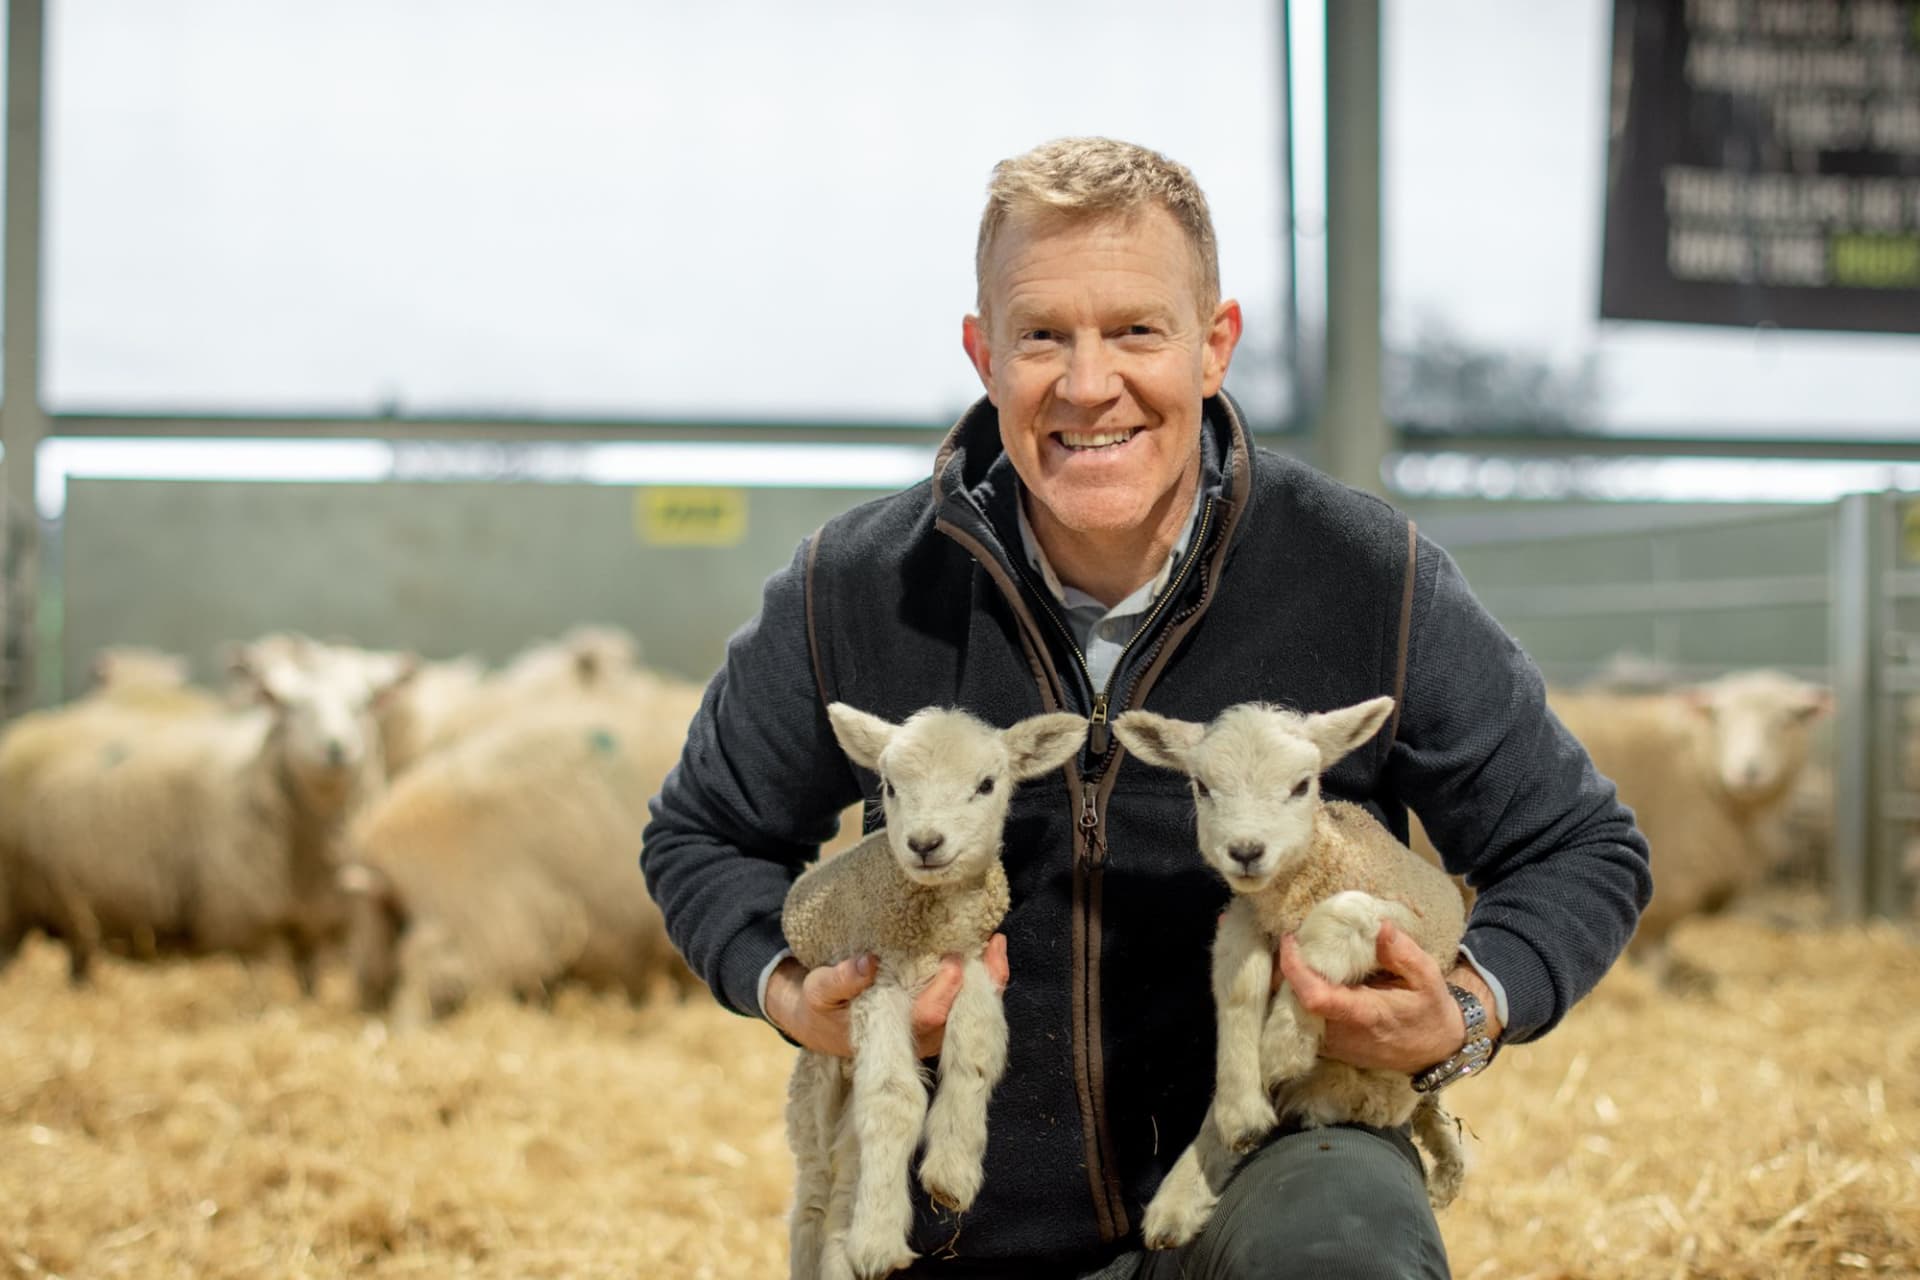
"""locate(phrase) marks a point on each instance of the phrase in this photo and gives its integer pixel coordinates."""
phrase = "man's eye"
(1300, 787)
(1039, 335)
(985, 788)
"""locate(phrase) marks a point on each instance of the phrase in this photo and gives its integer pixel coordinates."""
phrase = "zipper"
(1100, 740)
(1090, 824)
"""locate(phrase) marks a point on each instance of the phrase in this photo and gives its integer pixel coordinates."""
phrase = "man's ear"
(979, 347)
(1338, 733)
(862, 736)
(1159, 740)
(1223, 335)
(1040, 744)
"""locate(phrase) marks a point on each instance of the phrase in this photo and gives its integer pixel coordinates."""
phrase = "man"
(1099, 534)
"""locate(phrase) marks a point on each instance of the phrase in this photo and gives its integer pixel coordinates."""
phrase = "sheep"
(927, 884)
(1327, 870)
(454, 700)
(208, 832)
(1705, 769)
(504, 863)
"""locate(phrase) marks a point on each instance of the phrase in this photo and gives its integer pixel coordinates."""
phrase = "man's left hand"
(1403, 1019)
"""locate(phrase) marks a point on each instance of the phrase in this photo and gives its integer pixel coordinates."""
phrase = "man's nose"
(1092, 376)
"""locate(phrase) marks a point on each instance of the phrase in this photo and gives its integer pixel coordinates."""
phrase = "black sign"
(1763, 164)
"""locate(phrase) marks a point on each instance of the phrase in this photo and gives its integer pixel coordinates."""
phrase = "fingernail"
(864, 966)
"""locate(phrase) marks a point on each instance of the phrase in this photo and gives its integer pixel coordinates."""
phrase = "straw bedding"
(197, 1119)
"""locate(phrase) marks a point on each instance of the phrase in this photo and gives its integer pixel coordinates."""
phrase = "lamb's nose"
(925, 846)
(1246, 853)
(336, 753)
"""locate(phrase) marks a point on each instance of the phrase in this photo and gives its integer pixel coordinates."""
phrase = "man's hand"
(1403, 1019)
(810, 1005)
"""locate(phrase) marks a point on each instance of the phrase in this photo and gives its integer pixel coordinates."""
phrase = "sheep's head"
(1256, 777)
(1760, 726)
(322, 697)
(946, 779)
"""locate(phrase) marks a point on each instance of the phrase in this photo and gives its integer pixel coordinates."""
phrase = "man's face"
(1095, 353)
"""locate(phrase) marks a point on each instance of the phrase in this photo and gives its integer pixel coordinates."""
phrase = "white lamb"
(929, 884)
(1327, 870)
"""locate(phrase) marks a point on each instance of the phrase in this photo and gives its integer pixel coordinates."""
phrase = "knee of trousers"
(1340, 1203)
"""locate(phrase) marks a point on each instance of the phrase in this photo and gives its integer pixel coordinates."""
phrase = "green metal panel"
(438, 568)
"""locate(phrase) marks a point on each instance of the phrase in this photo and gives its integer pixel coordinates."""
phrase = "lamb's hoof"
(1244, 1127)
(876, 1256)
(953, 1183)
(1169, 1225)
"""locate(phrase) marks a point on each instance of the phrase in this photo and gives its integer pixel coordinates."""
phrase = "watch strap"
(1470, 1057)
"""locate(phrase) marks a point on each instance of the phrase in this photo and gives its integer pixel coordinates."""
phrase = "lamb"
(929, 883)
(504, 863)
(207, 832)
(1706, 770)
(1326, 870)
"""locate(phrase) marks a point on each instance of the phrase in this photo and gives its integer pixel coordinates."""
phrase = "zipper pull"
(1097, 739)
(1090, 823)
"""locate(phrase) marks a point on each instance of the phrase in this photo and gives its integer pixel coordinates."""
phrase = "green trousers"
(1342, 1203)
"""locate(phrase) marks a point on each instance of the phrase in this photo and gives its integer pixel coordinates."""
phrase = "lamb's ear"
(1159, 740)
(1041, 744)
(863, 737)
(1338, 732)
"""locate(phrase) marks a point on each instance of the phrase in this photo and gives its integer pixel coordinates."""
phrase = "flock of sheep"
(449, 830)
(453, 830)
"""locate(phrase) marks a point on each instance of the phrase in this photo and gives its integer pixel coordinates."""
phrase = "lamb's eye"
(1201, 787)
(1300, 787)
(985, 788)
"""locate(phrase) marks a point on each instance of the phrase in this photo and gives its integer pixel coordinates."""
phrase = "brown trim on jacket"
(1406, 630)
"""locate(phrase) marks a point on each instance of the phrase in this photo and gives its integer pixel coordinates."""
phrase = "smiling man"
(1100, 534)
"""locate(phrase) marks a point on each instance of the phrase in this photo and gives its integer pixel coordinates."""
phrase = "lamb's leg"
(1186, 1199)
(973, 1057)
(845, 1171)
(1439, 1133)
(889, 1109)
(1242, 981)
(79, 929)
(814, 1096)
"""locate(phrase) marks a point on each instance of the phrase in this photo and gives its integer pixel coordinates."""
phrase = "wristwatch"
(1470, 1057)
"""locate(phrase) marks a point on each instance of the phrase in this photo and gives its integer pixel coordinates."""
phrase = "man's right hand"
(810, 1005)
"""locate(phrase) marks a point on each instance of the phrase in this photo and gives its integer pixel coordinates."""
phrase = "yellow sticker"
(1910, 532)
(684, 516)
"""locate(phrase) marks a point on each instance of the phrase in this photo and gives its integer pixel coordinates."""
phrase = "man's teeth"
(1093, 439)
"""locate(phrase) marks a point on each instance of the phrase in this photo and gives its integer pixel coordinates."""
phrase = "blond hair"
(1086, 179)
